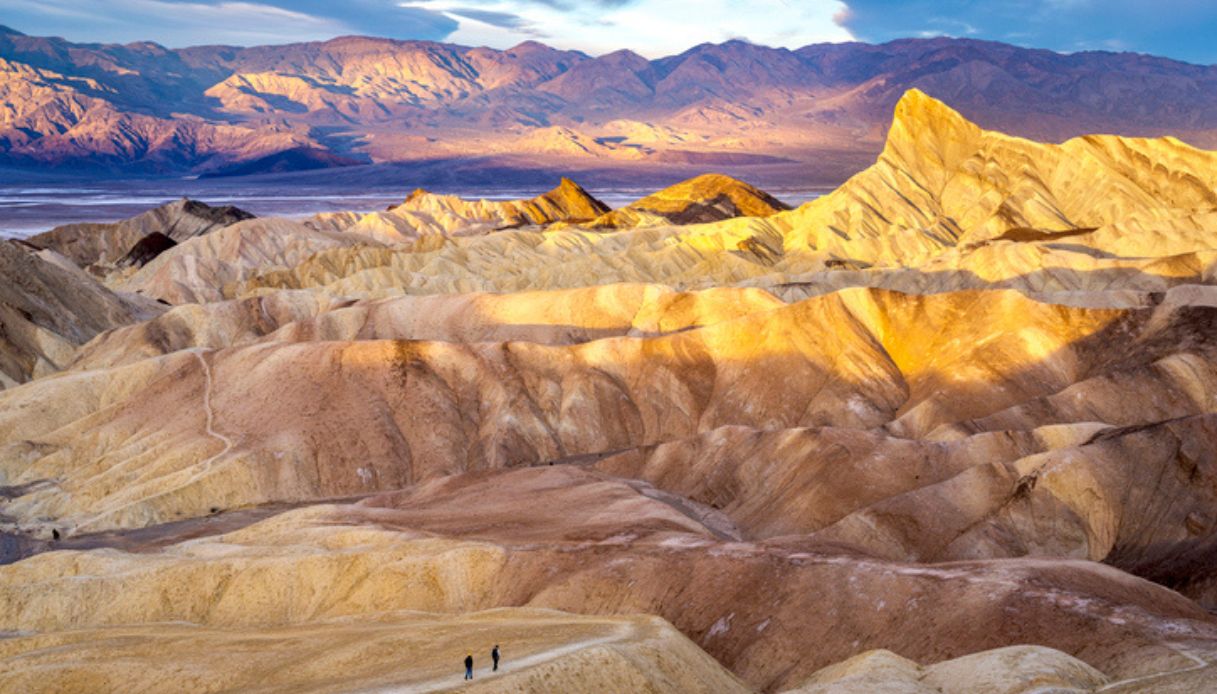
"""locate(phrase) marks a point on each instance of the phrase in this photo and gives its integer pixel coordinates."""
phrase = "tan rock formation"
(1011, 670)
(857, 359)
(707, 198)
(941, 181)
(48, 308)
(1098, 496)
(201, 269)
(212, 326)
(107, 244)
(557, 317)
(948, 206)
(426, 216)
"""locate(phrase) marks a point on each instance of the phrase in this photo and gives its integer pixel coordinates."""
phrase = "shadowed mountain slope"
(243, 110)
(48, 307)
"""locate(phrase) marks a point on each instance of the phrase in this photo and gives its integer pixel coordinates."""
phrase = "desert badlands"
(949, 428)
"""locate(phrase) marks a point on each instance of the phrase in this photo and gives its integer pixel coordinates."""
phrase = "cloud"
(653, 28)
(1178, 28)
(504, 20)
(178, 23)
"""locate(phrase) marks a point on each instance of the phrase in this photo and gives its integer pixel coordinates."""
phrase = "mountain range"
(821, 110)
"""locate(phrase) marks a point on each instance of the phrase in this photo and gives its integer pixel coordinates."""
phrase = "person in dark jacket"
(469, 666)
(494, 655)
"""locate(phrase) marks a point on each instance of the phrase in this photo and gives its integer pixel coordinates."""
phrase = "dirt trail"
(453, 682)
(199, 469)
(1135, 682)
(211, 413)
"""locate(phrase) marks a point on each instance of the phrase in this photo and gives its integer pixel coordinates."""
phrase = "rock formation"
(1016, 669)
(707, 198)
(200, 269)
(948, 428)
(426, 219)
(98, 247)
(941, 181)
(596, 546)
(547, 649)
(48, 308)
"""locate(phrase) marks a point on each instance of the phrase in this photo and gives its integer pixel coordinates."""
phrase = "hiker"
(469, 666)
(494, 655)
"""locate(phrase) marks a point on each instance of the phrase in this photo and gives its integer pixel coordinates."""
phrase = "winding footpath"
(204, 466)
(228, 444)
(1198, 663)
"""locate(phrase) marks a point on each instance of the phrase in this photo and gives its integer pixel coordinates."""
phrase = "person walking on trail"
(494, 655)
(469, 666)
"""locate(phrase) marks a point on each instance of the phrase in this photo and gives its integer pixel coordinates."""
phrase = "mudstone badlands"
(949, 428)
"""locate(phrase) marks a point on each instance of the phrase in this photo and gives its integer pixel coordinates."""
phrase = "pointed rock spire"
(573, 201)
(928, 135)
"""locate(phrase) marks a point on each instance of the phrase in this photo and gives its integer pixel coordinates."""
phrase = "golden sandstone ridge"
(706, 198)
(949, 428)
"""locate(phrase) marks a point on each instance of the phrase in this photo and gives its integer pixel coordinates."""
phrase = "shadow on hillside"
(766, 371)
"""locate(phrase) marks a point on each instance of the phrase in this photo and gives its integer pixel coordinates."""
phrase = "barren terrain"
(948, 428)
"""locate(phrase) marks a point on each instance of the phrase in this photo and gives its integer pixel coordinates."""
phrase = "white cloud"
(653, 28)
(243, 23)
(184, 23)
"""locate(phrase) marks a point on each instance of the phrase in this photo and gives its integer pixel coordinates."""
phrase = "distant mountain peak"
(10, 30)
(529, 45)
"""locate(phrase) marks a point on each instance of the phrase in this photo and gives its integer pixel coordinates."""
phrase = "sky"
(1181, 29)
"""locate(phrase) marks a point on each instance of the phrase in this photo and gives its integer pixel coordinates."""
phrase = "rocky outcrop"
(102, 246)
(706, 198)
(943, 182)
(1011, 670)
(200, 269)
(425, 219)
(48, 308)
